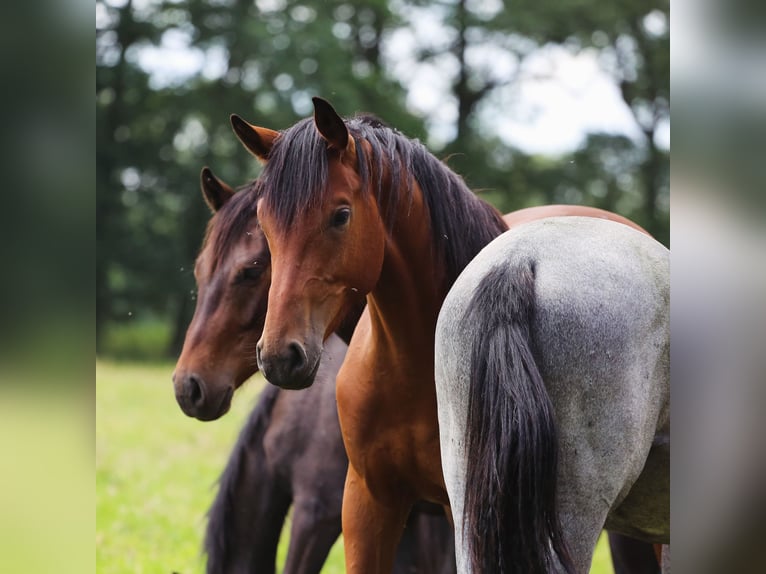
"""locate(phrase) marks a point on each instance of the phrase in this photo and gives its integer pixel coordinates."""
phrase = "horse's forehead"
(204, 259)
(341, 174)
(221, 250)
(249, 243)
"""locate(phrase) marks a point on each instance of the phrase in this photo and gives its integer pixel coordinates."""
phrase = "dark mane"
(220, 534)
(296, 176)
(371, 120)
(232, 220)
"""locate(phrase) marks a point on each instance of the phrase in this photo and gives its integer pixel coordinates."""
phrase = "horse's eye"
(341, 216)
(250, 273)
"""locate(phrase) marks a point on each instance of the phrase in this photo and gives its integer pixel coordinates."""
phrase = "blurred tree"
(633, 40)
(488, 46)
(263, 60)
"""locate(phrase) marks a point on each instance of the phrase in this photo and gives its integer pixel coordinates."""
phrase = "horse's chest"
(404, 463)
(393, 444)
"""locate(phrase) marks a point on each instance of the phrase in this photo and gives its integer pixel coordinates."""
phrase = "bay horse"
(355, 208)
(552, 379)
(290, 452)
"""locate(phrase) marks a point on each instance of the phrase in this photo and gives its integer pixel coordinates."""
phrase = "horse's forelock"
(296, 175)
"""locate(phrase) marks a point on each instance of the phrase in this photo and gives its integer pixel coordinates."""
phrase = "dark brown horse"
(355, 208)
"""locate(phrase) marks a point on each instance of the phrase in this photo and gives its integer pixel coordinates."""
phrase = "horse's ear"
(258, 141)
(215, 192)
(331, 127)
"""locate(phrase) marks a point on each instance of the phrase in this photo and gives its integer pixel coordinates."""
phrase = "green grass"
(156, 470)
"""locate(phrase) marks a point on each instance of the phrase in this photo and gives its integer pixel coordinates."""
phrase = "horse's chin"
(297, 384)
(219, 410)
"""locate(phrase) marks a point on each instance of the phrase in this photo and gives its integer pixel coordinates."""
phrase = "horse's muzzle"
(291, 367)
(198, 400)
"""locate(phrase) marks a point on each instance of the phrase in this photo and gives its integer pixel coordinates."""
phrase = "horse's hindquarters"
(600, 333)
(601, 329)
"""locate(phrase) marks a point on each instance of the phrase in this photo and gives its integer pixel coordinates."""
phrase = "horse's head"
(325, 233)
(232, 273)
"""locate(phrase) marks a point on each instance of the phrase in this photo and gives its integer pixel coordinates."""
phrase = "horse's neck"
(405, 302)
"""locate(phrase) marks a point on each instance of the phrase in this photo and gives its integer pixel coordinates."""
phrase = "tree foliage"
(264, 59)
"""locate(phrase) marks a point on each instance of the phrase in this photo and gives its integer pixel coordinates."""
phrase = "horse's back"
(600, 336)
(528, 214)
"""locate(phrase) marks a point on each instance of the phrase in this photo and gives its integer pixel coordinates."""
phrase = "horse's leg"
(452, 402)
(631, 556)
(371, 528)
(314, 530)
(585, 503)
(427, 545)
(455, 481)
(406, 559)
(588, 505)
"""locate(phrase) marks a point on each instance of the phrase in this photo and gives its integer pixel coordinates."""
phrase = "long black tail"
(510, 515)
(246, 502)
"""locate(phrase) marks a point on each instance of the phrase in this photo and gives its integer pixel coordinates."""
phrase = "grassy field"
(156, 471)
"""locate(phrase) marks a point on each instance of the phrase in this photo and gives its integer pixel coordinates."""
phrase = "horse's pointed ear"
(258, 141)
(215, 192)
(331, 126)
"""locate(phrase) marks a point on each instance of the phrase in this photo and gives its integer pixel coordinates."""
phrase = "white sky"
(559, 98)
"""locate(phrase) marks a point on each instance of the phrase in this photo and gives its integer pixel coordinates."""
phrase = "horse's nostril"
(196, 396)
(258, 353)
(297, 357)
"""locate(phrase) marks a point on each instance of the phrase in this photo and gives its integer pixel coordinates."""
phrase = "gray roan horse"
(552, 375)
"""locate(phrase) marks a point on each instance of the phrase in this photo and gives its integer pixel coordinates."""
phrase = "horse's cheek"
(368, 263)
